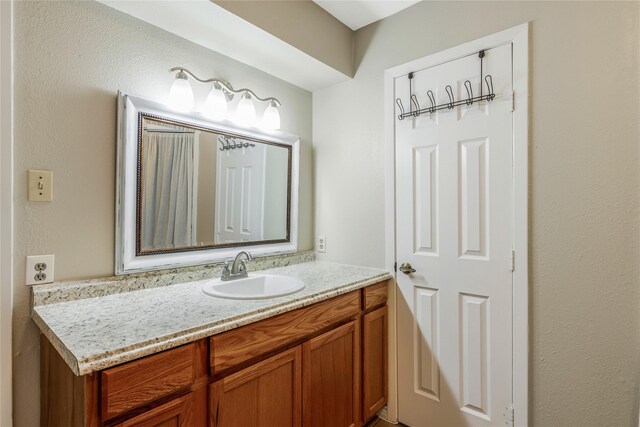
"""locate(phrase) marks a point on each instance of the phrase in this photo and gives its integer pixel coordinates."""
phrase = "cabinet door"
(267, 394)
(176, 413)
(330, 378)
(374, 356)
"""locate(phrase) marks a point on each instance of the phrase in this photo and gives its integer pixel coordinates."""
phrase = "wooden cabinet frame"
(374, 362)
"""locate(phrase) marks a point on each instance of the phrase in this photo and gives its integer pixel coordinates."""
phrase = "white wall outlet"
(39, 269)
(40, 186)
(322, 244)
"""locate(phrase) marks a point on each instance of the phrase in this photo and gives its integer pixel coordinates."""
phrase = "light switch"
(40, 186)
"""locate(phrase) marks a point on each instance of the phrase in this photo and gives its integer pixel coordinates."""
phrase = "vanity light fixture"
(245, 111)
(216, 104)
(181, 94)
(271, 117)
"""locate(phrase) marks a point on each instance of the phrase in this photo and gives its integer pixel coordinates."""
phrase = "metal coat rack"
(414, 105)
(229, 143)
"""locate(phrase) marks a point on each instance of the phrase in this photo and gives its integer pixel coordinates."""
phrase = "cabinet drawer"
(243, 344)
(178, 413)
(139, 382)
(374, 295)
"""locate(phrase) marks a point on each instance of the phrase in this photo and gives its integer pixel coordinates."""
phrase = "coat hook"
(414, 103)
(432, 101)
(449, 91)
(489, 80)
(401, 108)
(467, 86)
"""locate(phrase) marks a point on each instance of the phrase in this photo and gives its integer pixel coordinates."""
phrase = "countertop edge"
(112, 358)
(62, 349)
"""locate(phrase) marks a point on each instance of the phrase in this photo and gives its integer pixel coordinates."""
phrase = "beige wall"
(275, 193)
(70, 59)
(302, 24)
(584, 175)
(205, 226)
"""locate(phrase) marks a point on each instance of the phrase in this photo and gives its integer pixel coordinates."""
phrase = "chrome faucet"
(238, 268)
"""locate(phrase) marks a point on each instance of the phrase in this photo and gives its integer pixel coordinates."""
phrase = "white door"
(240, 194)
(454, 202)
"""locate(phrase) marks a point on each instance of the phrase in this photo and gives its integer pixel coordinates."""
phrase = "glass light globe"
(215, 107)
(181, 94)
(271, 117)
(245, 111)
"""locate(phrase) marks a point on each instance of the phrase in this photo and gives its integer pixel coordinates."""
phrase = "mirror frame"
(130, 111)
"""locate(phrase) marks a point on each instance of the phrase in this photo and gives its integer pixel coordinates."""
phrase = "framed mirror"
(192, 191)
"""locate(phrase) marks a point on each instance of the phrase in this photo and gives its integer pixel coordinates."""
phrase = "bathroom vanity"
(304, 343)
(314, 358)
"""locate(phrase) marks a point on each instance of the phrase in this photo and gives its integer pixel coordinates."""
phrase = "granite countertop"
(95, 333)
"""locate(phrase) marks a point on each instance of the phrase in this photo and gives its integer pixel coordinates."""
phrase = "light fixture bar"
(226, 85)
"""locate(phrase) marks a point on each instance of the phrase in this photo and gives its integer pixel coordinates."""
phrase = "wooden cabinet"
(176, 413)
(330, 378)
(374, 362)
(322, 365)
(136, 383)
(263, 395)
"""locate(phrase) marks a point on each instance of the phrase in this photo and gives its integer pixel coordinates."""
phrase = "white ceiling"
(356, 14)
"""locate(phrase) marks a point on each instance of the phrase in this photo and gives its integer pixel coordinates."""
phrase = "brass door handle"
(406, 268)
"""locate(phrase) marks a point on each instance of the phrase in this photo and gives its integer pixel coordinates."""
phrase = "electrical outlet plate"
(322, 244)
(39, 269)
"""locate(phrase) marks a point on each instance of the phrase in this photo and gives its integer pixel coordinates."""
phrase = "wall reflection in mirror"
(201, 188)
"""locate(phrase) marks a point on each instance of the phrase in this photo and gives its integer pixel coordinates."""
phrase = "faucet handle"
(225, 268)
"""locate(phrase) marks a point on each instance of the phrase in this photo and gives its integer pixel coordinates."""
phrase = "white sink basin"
(256, 286)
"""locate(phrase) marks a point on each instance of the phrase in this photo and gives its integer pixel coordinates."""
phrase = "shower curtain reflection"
(169, 189)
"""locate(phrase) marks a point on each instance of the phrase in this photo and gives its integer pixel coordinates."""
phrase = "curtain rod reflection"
(168, 131)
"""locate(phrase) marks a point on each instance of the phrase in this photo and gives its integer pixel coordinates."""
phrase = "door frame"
(519, 37)
(6, 208)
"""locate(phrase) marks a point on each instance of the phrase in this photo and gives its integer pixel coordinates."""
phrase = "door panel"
(426, 205)
(266, 394)
(454, 198)
(474, 376)
(330, 378)
(427, 375)
(473, 197)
